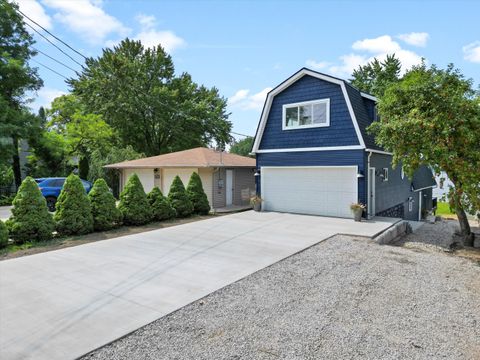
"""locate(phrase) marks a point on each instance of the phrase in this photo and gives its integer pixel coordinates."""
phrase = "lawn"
(444, 209)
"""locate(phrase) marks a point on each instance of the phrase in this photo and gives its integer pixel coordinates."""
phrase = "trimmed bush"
(179, 199)
(104, 210)
(30, 220)
(134, 204)
(74, 214)
(197, 195)
(161, 208)
(3, 235)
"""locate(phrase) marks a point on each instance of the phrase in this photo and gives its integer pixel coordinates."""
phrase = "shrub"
(3, 235)
(161, 207)
(104, 210)
(179, 199)
(30, 220)
(197, 195)
(134, 204)
(74, 214)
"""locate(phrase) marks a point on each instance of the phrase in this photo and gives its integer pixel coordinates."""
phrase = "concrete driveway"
(65, 303)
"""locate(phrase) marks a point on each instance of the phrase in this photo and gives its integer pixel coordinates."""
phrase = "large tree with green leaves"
(242, 147)
(376, 76)
(136, 91)
(432, 117)
(17, 79)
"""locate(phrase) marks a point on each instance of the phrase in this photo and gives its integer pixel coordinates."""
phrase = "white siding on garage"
(170, 173)
(145, 175)
(206, 174)
(327, 191)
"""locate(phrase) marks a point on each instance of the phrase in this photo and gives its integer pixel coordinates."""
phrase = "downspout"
(369, 188)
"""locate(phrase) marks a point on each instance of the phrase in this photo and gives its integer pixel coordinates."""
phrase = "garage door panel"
(318, 191)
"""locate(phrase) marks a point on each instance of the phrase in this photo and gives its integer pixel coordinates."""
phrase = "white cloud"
(381, 44)
(46, 95)
(471, 52)
(151, 37)
(365, 51)
(87, 19)
(36, 12)
(317, 65)
(242, 100)
(415, 38)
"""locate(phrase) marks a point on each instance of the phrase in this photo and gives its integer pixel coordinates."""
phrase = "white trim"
(286, 84)
(327, 148)
(385, 174)
(378, 151)
(426, 187)
(311, 167)
(420, 206)
(304, 103)
(368, 96)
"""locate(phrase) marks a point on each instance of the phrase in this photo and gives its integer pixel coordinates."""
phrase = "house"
(227, 179)
(315, 156)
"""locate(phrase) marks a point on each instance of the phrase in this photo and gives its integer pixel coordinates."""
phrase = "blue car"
(51, 187)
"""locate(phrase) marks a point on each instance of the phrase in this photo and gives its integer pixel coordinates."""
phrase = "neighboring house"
(315, 156)
(227, 179)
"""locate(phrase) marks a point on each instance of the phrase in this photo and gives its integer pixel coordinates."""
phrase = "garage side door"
(327, 191)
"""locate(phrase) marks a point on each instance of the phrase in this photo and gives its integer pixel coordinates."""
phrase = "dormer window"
(306, 114)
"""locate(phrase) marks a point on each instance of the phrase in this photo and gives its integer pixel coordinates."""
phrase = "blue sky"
(244, 48)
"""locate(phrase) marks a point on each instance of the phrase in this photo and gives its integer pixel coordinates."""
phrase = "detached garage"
(315, 190)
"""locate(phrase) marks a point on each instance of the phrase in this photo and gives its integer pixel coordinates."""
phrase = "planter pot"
(357, 214)
(257, 206)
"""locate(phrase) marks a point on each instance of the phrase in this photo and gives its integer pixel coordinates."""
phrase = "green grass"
(444, 209)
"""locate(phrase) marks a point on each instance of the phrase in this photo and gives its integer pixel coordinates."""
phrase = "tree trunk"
(465, 231)
(17, 173)
(83, 167)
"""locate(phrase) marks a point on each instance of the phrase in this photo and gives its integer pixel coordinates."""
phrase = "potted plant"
(256, 202)
(357, 209)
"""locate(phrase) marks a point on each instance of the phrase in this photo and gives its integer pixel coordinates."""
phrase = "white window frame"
(312, 102)
(385, 174)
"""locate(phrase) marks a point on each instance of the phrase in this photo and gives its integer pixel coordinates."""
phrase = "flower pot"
(257, 206)
(357, 214)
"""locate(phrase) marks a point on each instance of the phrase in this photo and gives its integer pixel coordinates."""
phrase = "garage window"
(307, 114)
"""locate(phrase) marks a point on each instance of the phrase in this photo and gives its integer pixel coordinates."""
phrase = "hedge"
(161, 207)
(134, 203)
(3, 234)
(73, 214)
(197, 195)
(179, 199)
(104, 209)
(30, 220)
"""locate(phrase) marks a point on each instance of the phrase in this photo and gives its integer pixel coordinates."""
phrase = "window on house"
(385, 174)
(306, 114)
(410, 204)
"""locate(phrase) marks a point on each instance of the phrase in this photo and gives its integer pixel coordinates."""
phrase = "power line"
(45, 66)
(39, 33)
(235, 133)
(51, 57)
(56, 37)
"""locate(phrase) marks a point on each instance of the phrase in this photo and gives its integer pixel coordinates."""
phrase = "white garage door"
(325, 191)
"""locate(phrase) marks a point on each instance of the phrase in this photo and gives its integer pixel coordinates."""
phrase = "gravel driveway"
(344, 298)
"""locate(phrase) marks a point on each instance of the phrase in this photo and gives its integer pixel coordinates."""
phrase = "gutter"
(369, 200)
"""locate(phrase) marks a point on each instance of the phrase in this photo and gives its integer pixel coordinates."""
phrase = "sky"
(245, 48)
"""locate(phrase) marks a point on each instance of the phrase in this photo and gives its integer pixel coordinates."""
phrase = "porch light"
(360, 174)
(257, 172)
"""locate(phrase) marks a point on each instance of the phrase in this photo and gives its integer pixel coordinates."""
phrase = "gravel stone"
(345, 298)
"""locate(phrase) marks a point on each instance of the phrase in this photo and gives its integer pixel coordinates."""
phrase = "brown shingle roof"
(198, 157)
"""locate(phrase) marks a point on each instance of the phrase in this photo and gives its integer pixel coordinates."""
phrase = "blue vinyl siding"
(341, 131)
(318, 158)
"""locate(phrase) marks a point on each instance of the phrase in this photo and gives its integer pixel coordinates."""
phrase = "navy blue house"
(314, 155)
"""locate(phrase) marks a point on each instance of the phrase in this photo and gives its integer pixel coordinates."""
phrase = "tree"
(104, 209)
(17, 79)
(197, 195)
(3, 235)
(161, 207)
(115, 154)
(136, 91)
(179, 199)
(134, 203)
(432, 117)
(73, 214)
(30, 220)
(84, 132)
(242, 147)
(376, 76)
